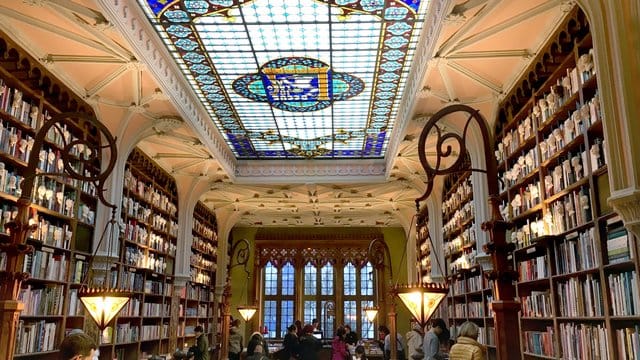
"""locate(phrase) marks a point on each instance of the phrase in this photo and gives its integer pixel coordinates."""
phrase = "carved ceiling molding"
(130, 22)
(627, 204)
(288, 169)
(425, 50)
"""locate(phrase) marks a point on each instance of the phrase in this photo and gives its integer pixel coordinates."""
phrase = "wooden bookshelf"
(63, 209)
(147, 257)
(578, 266)
(197, 305)
(578, 270)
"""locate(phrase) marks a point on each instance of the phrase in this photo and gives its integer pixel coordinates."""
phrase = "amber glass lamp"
(247, 311)
(422, 300)
(371, 312)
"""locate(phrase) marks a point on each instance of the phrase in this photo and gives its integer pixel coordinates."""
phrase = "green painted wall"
(395, 239)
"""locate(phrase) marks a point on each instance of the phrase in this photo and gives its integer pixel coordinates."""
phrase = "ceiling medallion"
(298, 84)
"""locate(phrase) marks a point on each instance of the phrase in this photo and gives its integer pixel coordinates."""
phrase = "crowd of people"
(300, 344)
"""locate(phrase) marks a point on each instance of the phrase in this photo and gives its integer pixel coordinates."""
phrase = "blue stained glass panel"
(293, 79)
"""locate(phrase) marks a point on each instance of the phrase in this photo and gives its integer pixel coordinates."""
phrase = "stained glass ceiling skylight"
(295, 79)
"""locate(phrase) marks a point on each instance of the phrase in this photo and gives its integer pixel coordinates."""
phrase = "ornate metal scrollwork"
(84, 150)
(444, 149)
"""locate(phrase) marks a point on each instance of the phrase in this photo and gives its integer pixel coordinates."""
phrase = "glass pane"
(366, 280)
(270, 317)
(310, 281)
(349, 279)
(270, 280)
(351, 314)
(367, 331)
(288, 284)
(309, 311)
(327, 280)
(327, 320)
(286, 316)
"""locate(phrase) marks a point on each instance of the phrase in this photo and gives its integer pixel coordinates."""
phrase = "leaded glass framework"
(295, 79)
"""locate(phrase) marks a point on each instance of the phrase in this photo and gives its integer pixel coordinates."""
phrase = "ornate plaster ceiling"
(472, 53)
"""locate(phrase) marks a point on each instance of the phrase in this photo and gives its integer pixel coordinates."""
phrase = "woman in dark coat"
(291, 344)
(309, 344)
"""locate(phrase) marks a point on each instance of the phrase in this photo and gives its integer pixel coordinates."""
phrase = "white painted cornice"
(130, 21)
(424, 52)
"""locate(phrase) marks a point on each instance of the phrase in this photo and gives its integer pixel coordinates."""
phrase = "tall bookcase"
(423, 241)
(458, 222)
(63, 209)
(578, 267)
(147, 257)
(197, 306)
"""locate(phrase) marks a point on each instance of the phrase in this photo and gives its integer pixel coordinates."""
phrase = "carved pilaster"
(627, 204)
(179, 283)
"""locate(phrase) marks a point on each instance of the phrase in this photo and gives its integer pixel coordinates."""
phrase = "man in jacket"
(201, 349)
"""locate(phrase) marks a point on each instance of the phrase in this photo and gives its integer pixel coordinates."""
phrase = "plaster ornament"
(552, 103)
(557, 179)
(557, 133)
(528, 159)
(537, 114)
(566, 168)
(59, 198)
(568, 130)
(585, 65)
(548, 185)
(544, 109)
(51, 157)
(566, 84)
(13, 140)
(41, 192)
(543, 150)
(12, 184)
(535, 194)
(33, 115)
(17, 102)
(527, 127)
(22, 146)
(595, 155)
(585, 116)
(576, 163)
(521, 136)
(551, 144)
(68, 207)
(520, 237)
(584, 202)
(60, 165)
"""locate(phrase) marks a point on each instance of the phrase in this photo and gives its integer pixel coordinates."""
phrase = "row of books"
(584, 341)
(581, 297)
(628, 340)
(534, 269)
(578, 252)
(539, 342)
(43, 301)
(538, 304)
(46, 265)
(623, 289)
(32, 337)
(618, 249)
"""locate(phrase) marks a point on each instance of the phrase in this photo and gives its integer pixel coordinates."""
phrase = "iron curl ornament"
(445, 150)
(92, 141)
(505, 305)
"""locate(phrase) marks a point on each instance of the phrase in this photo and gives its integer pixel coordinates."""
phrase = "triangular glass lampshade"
(247, 311)
(103, 304)
(422, 300)
(371, 312)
